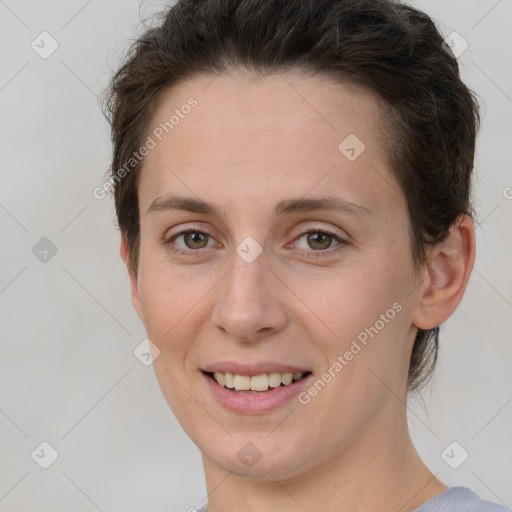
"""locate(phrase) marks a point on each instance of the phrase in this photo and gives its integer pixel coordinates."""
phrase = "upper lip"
(253, 368)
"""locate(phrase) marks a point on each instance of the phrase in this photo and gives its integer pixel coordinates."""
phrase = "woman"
(292, 185)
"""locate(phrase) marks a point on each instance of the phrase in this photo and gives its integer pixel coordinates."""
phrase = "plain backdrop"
(68, 374)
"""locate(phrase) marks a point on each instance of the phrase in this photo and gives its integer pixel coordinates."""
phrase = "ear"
(133, 279)
(447, 274)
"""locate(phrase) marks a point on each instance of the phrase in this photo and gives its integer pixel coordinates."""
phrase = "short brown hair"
(390, 48)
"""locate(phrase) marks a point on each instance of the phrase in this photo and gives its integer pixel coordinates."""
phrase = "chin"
(256, 457)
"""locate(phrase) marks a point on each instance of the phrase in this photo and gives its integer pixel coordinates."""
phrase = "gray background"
(68, 375)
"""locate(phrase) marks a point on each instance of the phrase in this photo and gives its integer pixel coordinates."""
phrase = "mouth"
(256, 384)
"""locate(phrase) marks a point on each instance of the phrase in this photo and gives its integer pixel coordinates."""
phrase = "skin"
(249, 144)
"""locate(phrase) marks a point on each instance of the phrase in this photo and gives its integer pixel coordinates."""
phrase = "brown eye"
(195, 239)
(319, 243)
(318, 240)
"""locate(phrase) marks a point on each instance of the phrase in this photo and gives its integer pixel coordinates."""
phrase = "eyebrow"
(196, 205)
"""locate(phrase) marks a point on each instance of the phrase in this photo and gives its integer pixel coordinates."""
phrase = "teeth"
(220, 378)
(242, 382)
(287, 378)
(274, 380)
(228, 379)
(257, 382)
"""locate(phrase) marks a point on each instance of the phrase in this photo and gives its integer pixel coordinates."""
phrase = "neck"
(379, 472)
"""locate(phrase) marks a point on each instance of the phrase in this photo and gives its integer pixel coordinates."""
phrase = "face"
(273, 241)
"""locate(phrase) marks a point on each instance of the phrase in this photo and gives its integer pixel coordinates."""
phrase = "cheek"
(360, 316)
(173, 313)
(350, 299)
(363, 353)
(171, 305)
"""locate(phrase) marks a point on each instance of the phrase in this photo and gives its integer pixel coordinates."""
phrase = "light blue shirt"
(454, 499)
(459, 499)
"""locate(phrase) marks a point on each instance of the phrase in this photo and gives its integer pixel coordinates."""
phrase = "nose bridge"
(245, 277)
(249, 303)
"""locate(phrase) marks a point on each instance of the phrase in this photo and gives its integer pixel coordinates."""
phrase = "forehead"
(283, 134)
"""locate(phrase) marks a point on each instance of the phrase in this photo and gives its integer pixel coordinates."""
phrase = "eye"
(312, 243)
(192, 240)
(317, 242)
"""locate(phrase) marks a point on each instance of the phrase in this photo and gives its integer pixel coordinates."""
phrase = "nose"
(251, 301)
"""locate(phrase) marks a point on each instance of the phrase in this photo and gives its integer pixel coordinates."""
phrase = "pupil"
(195, 238)
(319, 238)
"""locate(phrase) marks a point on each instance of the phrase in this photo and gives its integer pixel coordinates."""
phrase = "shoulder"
(454, 499)
(459, 499)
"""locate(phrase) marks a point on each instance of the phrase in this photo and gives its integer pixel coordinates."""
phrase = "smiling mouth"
(256, 384)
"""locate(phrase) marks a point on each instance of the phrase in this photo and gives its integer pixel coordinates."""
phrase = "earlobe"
(125, 256)
(449, 268)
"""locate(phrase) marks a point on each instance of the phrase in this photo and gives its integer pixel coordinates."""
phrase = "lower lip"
(255, 403)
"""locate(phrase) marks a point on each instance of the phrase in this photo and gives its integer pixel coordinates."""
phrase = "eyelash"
(310, 254)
